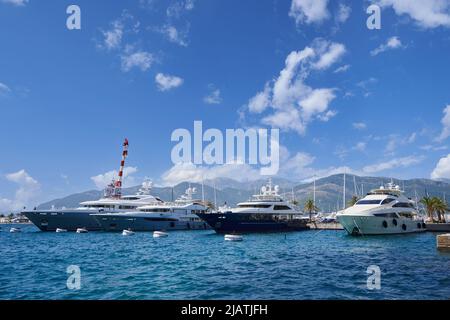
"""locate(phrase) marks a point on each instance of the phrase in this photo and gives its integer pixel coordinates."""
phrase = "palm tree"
(353, 201)
(440, 207)
(310, 207)
(429, 205)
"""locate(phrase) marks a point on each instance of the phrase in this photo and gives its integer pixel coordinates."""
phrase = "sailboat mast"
(215, 195)
(314, 191)
(203, 192)
(343, 200)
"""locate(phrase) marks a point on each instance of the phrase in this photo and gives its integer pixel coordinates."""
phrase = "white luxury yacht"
(73, 219)
(383, 211)
(178, 215)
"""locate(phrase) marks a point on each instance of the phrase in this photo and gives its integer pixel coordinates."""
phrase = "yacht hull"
(70, 220)
(118, 223)
(371, 225)
(234, 223)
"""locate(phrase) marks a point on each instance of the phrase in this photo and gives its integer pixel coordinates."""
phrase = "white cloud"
(113, 37)
(325, 117)
(446, 125)
(395, 140)
(213, 97)
(359, 125)
(343, 14)
(4, 89)
(102, 180)
(366, 86)
(391, 44)
(260, 101)
(329, 55)
(28, 190)
(174, 35)
(166, 82)
(132, 58)
(442, 169)
(316, 102)
(192, 173)
(342, 69)
(297, 167)
(309, 11)
(295, 104)
(392, 164)
(18, 3)
(426, 13)
(179, 7)
(360, 146)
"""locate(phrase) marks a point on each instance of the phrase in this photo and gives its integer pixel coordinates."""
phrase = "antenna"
(118, 183)
(215, 195)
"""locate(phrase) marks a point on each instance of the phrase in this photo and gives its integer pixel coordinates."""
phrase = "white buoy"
(58, 230)
(127, 233)
(82, 230)
(160, 234)
(15, 230)
(233, 237)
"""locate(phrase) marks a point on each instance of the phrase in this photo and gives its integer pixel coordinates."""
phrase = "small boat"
(15, 230)
(58, 230)
(82, 230)
(160, 234)
(127, 232)
(233, 237)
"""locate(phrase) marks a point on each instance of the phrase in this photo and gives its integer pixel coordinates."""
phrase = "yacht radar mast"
(118, 183)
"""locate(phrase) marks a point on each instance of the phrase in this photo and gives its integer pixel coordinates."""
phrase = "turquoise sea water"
(201, 265)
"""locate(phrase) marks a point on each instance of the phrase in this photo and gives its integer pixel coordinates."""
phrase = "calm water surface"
(201, 265)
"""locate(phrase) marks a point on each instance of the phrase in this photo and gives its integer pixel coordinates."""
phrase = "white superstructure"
(178, 215)
(385, 210)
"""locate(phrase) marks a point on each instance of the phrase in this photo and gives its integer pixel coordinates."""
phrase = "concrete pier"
(438, 227)
(443, 242)
(325, 226)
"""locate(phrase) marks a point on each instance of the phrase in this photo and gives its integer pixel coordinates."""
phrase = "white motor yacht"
(385, 210)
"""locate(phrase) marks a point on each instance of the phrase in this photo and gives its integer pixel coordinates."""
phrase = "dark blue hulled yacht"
(264, 212)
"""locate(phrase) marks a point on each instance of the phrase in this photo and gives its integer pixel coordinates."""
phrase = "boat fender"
(385, 224)
(419, 226)
(424, 225)
(394, 221)
(404, 227)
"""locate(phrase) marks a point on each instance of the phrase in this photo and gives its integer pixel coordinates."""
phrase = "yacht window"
(261, 206)
(157, 210)
(403, 205)
(406, 214)
(127, 207)
(388, 200)
(130, 198)
(368, 202)
(281, 208)
(386, 215)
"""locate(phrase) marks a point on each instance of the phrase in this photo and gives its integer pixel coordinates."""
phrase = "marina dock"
(443, 242)
(438, 227)
(325, 226)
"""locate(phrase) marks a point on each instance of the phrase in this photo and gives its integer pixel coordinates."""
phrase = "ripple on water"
(201, 265)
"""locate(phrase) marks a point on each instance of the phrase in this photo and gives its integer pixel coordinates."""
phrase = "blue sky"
(371, 102)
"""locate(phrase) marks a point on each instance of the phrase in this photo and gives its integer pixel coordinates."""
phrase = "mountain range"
(329, 190)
